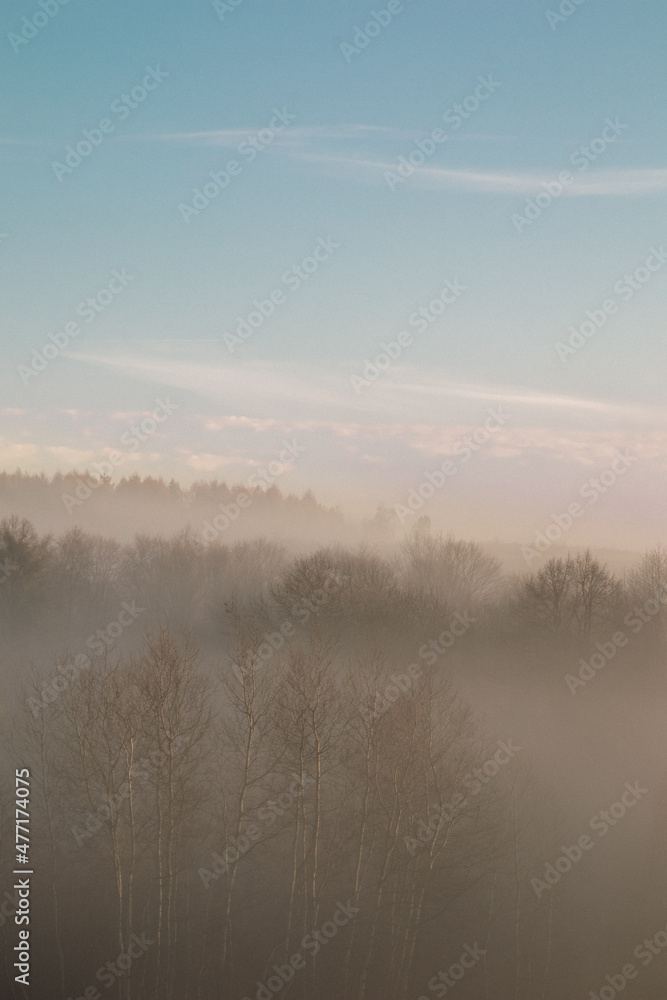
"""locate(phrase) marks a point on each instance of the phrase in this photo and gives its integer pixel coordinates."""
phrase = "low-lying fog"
(311, 759)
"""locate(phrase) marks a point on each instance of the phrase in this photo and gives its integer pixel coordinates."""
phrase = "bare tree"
(459, 572)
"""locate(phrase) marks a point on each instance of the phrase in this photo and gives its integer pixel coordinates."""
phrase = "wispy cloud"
(294, 133)
(293, 136)
(618, 183)
(251, 381)
(308, 391)
(524, 398)
(305, 138)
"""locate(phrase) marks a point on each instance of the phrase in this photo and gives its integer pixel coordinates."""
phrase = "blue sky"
(351, 115)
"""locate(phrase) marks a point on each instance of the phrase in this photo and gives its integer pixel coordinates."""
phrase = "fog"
(289, 755)
(333, 566)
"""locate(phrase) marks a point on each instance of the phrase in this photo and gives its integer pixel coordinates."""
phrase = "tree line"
(249, 792)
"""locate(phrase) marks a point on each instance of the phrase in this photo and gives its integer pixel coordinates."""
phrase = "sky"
(498, 165)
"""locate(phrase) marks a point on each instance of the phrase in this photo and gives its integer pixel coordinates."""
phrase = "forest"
(343, 772)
